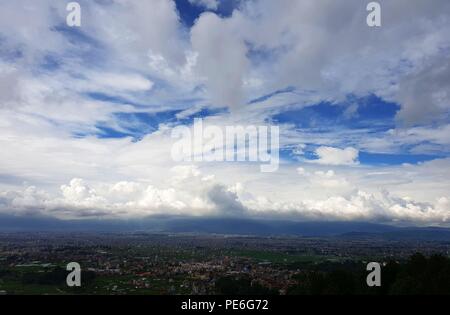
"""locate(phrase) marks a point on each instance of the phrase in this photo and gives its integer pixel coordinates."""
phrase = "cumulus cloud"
(134, 28)
(222, 59)
(325, 179)
(125, 199)
(227, 201)
(425, 95)
(336, 156)
(365, 206)
(295, 38)
(116, 200)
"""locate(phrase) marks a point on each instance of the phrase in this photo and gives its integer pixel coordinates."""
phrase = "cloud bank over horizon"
(86, 113)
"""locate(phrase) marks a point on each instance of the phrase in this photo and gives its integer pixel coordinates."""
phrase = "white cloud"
(222, 59)
(27, 28)
(336, 156)
(9, 85)
(301, 171)
(327, 47)
(294, 38)
(209, 4)
(121, 82)
(325, 179)
(134, 28)
(131, 199)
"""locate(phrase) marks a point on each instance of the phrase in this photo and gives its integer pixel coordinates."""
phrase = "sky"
(86, 113)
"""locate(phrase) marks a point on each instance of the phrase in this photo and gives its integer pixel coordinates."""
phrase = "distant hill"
(266, 227)
(232, 226)
(424, 234)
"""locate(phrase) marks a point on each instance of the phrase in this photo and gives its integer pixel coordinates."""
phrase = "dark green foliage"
(56, 276)
(418, 275)
(241, 286)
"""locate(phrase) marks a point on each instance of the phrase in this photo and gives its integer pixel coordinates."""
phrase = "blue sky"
(189, 11)
(87, 112)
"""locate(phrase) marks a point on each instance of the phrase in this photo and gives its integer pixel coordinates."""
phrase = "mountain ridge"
(232, 226)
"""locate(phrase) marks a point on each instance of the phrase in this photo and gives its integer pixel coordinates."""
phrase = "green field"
(279, 258)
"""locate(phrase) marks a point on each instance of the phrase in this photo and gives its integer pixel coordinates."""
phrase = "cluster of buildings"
(183, 264)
